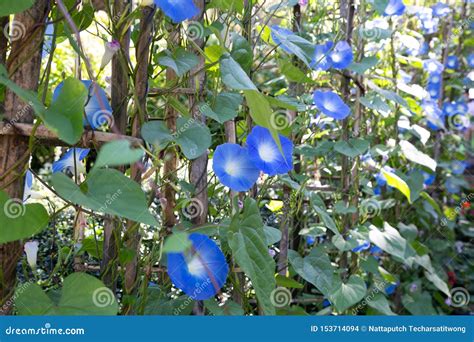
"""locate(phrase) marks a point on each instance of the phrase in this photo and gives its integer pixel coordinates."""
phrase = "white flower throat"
(267, 152)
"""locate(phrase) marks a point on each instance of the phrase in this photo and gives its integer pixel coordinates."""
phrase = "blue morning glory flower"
(365, 245)
(470, 60)
(394, 7)
(432, 66)
(440, 9)
(326, 303)
(376, 252)
(67, 163)
(452, 186)
(434, 78)
(265, 154)
(458, 167)
(461, 107)
(48, 40)
(452, 62)
(321, 59)
(433, 90)
(178, 10)
(433, 114)
(310, 240)
(380, 179)
(429, 178)
(330, 104)
(28, 185)
(276, 32)
(97, 109)
(341, 56)
(234, 168)
(449, 108)
(377, 190)
(389, 290)
(201, 271)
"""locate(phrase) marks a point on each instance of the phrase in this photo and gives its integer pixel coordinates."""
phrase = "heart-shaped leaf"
(344, 295)
(20, 221)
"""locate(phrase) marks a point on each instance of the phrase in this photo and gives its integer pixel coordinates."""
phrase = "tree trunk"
(141, 87)
(23, 66)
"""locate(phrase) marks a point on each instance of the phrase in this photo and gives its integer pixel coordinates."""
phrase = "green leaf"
(415, 184)
(65, 115)
(344, 295)
(224, 108)
(327, 219)
(242, 52)
(193, 137)
(315, 268)
(287, 282)
(118, 152)
(364, 65)
(180, 60)
(107, 191)
(156, 133)
(20, 221)
(389, 95)
(298, 46)
(177, 242)
(416, 156)
(380, 5)
(230, 308)
(419, 304)
(381, 304)
(394, 181)
(390, 241)
(247, 241)
(81, 294)
(438, 282)
(432, 202)
(272, 235)
(227, 5)
(352, 148)
(343, 244)
(293, 73)
(8, 7)
(233, 76)
(373, 101)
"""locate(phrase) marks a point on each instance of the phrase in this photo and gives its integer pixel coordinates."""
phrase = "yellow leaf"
(394, 181)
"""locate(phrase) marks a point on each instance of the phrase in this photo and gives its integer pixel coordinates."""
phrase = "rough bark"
(119, 84)
(23, 65)
(141, 85)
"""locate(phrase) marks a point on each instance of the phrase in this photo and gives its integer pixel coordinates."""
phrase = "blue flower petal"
(452, 62)
(200, 272)
(330, 104)
(458, 167)
(321, 60)
(432, 66)
(67, 160)
(28, 185)
(394, 7)
(341, 57)
(178, 10)
(440, 9)
(233, 167)
(470, 60)
(362, 247)
(265, 154)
